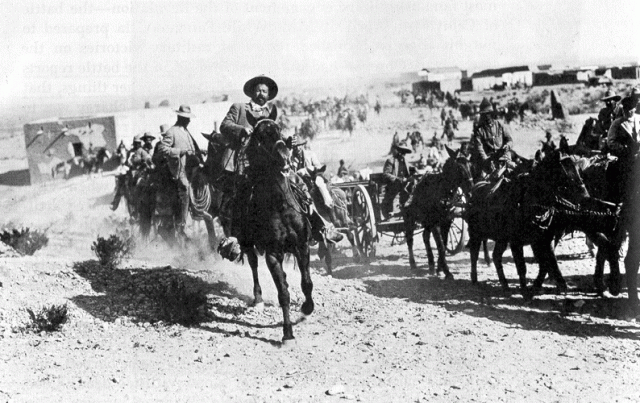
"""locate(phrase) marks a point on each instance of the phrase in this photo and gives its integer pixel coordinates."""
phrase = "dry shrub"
(111, 251)
(48, 319)
(25, 241)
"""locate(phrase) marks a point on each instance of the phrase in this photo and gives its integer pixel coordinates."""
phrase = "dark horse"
(531, 209)
(431, 207)
(275, 222)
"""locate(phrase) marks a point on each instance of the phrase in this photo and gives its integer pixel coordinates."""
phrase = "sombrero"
(403, 147)
(147, 135)
(250, 85)
(610, 96)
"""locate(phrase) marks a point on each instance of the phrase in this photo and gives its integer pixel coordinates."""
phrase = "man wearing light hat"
(180, 153)
(490, 141)
(606, 114)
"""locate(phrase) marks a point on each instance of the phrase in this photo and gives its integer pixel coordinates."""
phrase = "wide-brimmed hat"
(251, 84)
(147, 135)
(185, 111)
(138, 138)
(485, 106)
(297, 141)
(610, 96)
(403, 147)
(163, 129)
(629, 103)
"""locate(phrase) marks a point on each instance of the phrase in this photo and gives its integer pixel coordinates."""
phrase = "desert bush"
(25, 241)
(110, 251)
(180, 303)
(48, 319)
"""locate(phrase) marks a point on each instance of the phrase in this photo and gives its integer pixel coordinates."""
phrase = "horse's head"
(266, 149)
(457, 170)
(559, 172)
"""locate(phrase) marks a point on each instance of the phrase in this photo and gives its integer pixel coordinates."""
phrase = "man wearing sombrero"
(606, 114)
(180, 154)
(236, 129)
(238, 125)
(490, 141)
(396, 176)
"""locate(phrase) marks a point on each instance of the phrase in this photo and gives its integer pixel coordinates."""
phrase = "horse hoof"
(258, 307)
(307, 308)
(288, 343)
(448, 276)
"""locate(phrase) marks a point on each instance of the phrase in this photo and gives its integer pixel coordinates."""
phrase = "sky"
(63, 51)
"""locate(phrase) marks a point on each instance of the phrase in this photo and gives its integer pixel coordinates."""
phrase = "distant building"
(440, 73)
(625, 72)
(445, 79)
(507, 76)
(59, 144)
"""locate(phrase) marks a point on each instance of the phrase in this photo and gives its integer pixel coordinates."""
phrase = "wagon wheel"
(365, 221)
(456, 236)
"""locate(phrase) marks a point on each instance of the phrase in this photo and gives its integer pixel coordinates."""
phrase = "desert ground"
(379, 333)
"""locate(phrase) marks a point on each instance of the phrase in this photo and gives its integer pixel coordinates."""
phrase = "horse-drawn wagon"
(364, 199)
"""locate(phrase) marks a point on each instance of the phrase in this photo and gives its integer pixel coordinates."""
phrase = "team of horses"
(532, 205)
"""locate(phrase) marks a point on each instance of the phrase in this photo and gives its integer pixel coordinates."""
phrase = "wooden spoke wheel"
(457, 232)
(364, 221)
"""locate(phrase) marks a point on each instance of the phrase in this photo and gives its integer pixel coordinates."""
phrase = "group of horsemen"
(176, 154)
(615, 133)
(171, 163)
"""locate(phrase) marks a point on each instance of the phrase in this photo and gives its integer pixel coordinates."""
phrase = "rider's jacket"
(241, 115)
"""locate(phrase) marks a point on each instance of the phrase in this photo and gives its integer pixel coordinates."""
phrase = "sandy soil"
(379, 333)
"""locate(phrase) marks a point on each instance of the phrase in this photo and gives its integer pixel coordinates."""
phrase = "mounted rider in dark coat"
(179, 154)
(235, 132)
(396, 176)
(490, 142)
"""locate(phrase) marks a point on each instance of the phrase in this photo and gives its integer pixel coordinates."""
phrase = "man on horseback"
(136, 158)
(235, 131)
(180, 154)
(622, 141)
(606, 114)
(147, 145)
(396, 176)
(491, 142)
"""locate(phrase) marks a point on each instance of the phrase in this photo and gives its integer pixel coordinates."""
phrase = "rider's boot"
(323, 229)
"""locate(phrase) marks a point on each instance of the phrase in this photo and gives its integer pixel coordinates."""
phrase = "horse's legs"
(485, 248)
(426, 235)
(598, 275)
(274, 262)
(517, 250)
(408, 236)
(498, 251)
(474, 251)
(543, 249)
(305, 279)
(252, 258)
(442, 261)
